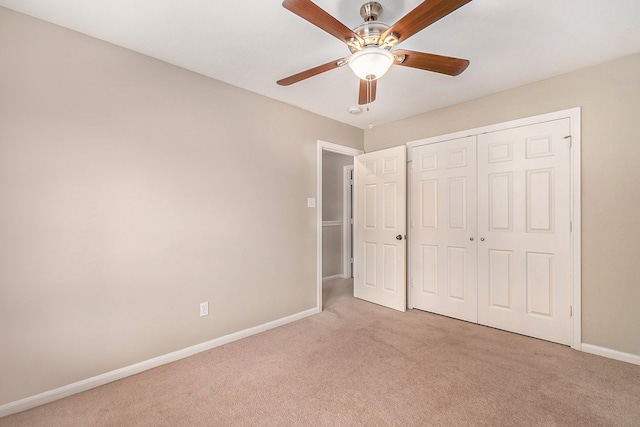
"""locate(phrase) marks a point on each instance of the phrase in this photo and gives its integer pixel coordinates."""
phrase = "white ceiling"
(253, 43)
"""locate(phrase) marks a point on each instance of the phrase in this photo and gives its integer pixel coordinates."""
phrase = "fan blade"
(425, 14)
(367, 91)
(311, 12)
(312, 72)
(430, 62)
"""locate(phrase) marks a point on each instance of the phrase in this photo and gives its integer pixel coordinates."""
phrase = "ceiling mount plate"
(370, 11)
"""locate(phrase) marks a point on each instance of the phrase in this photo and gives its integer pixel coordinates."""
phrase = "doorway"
(333, 214)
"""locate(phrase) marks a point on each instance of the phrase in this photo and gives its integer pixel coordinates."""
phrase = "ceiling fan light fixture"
(371, 62)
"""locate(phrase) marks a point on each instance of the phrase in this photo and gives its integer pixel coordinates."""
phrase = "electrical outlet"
(204, 309)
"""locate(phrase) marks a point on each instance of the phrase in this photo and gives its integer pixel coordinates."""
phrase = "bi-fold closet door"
(490, 229)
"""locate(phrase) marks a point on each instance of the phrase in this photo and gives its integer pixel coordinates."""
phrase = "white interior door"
(380, 224)
(443, 228)
(524, 230)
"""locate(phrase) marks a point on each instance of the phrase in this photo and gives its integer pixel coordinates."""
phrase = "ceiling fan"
(371, 42)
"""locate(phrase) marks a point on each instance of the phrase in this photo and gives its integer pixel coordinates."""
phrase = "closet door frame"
(574, 114)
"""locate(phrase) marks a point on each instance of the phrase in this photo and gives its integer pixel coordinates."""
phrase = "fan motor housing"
(371, 29)
(370, 32)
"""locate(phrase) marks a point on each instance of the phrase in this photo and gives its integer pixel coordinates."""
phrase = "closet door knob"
(471, 238)
(482, 239)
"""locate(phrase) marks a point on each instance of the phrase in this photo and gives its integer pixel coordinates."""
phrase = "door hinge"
(570, 226)
(568, 138)
(351, 260)
(570, 311)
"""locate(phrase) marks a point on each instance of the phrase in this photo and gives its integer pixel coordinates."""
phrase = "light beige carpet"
(360, 364)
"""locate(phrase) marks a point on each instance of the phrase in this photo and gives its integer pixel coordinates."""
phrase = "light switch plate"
(311, 202)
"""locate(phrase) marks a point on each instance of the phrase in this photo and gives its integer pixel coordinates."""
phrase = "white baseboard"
(611, 354)
(335, 276)
(89, 383)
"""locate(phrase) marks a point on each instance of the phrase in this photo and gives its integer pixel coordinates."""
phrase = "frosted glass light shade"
(371, 62)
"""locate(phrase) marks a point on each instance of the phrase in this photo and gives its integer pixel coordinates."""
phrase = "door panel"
(444, 223)
(500, 201)
(380, 216)
(524, 219)
(500, 277)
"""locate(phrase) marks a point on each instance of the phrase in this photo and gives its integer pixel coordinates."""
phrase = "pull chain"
(369, 96)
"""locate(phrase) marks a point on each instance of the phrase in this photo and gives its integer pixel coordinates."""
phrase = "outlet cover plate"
(204, 309)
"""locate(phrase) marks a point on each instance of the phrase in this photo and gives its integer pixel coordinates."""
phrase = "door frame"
(347, 221)
(335, 148)
(574, 114)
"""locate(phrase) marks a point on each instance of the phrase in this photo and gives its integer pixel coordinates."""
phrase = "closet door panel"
(524, 230)
(443, 245)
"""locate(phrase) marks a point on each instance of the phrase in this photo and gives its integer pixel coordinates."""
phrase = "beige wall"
(609, 95)
(332, 210)
(132, 190)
